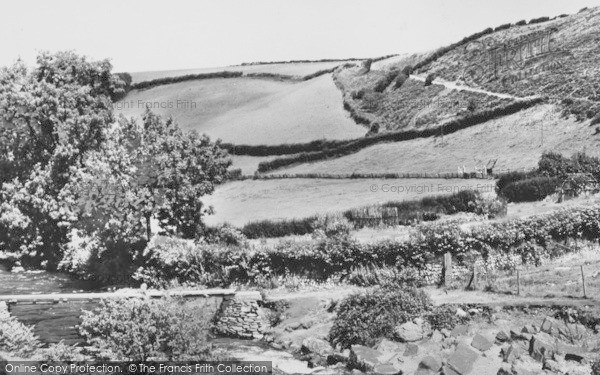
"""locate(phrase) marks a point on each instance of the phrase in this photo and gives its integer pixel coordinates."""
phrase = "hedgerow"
(188, 77)
(531, 239)
(320, 150)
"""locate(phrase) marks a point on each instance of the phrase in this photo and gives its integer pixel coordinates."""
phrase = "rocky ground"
(496, 340)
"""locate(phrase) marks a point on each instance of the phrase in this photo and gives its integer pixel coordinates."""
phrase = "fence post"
(447, 269)
(518, 282)
(583, 282)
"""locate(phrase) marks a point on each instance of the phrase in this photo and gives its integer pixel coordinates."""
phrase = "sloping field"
(239, 202)
(569, 67)
(292, 69)
(251, 111)
(515, 140)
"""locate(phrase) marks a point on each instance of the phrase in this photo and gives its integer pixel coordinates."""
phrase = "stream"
(57, 322)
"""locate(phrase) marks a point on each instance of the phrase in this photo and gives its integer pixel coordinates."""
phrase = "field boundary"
(350, 176)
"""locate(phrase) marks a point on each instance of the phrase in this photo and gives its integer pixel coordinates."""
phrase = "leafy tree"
(51, 117)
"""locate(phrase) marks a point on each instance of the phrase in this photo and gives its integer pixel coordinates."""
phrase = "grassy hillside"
(293, 69)
(253, 111)
(570, 70)
(514, 140)
(240, 202)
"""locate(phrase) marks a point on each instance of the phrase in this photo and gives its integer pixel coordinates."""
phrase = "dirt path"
(454, 85)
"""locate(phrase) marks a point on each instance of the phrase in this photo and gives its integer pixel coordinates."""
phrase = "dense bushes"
(341, 148)
(363, 318)
(140, 329)
(16, 338)
(280, 228)
(429, 79)
(386, 80)
(444, 317)
(521, 23)
(530, 239)
(556, 165)
(538, 20)
(188, 77)
(409, 212)
(503, 27)
(531, 189)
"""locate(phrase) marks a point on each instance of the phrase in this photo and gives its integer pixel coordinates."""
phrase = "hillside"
(515, 140)
(251, 110)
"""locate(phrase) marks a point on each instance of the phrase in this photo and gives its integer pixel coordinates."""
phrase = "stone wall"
(241, 316)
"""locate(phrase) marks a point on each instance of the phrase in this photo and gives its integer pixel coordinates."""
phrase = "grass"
(558, 278)
(514, 140)
(253, 111)
(294, 69)
(240, 202)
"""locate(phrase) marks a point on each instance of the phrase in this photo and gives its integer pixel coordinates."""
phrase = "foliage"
(444, 317)
(399, 81)
(596, 368)
(15, 337)
(140, 329)
(281, 228)
(55, 115)
(521, 23)
(429, 79)
(553, 164)
(386, 80)
(538, 20)
(367, 276)
(530, 190)
(503, 27)
(365, 317)
(224, 234)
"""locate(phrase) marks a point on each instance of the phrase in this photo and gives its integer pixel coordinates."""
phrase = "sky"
(180, 34)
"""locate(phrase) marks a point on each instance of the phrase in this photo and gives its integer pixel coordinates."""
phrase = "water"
(52, 322)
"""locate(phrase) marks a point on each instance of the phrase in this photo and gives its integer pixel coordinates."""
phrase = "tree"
(52, 116)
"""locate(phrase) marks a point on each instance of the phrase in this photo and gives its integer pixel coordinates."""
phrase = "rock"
(460, 330)
(541, 346)
(461, 313)
(571, 352)
(511, 353)
(338, 357)
(409, 332)
(462, 360)
(387, 369)
(431, 363)
(514, 335)
(316, 346)
(364, 358)
(388, 346)
(474, 311)
(411, 350)
(437, 336)
(502, 337)
(567, 332)
(445, 332)
(529, 329)
(293, 326)
(481, 343)
(419, 321)
(447, 370)
(526, 367)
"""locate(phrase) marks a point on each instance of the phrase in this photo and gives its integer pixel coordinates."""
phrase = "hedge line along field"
(240, 202)
(515, 140)
(292, 69)
(249, 110)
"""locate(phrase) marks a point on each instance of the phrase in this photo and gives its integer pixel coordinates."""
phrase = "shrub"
(226, 235)
(385, 81)
(366, 66)
(400, 79)
(282, 228)
(530, 190)
(429, 79)
(521, 23)
(140, 329)
(188, 77)
(367, 276)
(365, 317)
(444, 317)
(510, 177)
(15, 337)
(556, 165)
(596, 368)
(359, 94)
(539, 20)
(503, 27)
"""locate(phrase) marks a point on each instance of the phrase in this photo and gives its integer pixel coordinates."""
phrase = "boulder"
(542, 346)
(436, 336)
(316, 346)
(461, 313)
(460, 330)
(389, 350)
(502, 337)
(431, 363)
(511, 353)
(462, 360)
(411, 350)
(526, 366)
(386, 369)
(568, 332)
(529, 329)
(571, 352)
(409, 332)
(481, 343)
(364, 358)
